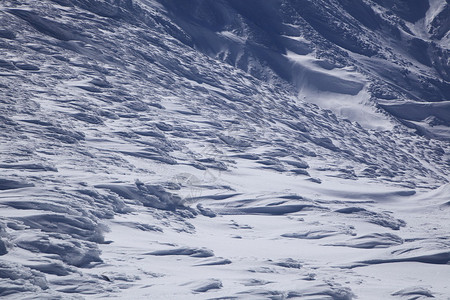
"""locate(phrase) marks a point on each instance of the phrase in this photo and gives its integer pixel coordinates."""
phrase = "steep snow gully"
(224, 149)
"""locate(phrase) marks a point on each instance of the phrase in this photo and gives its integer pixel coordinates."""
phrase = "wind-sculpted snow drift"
(224, 149)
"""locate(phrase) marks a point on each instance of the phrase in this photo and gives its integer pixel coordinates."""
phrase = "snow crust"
(224, 150)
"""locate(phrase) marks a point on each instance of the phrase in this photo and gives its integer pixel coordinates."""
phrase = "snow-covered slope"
(173, 150)
(360, 53)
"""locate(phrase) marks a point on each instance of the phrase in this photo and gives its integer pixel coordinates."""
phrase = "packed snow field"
(224, 149)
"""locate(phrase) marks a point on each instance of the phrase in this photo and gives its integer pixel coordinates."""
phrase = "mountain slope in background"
(224, 149)
(360, 52)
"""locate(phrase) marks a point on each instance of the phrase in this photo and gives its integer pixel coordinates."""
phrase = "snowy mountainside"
(363, 53)
(139, 161)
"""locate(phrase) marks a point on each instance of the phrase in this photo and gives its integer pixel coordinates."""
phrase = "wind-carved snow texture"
(173, 150)
(351, 57)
